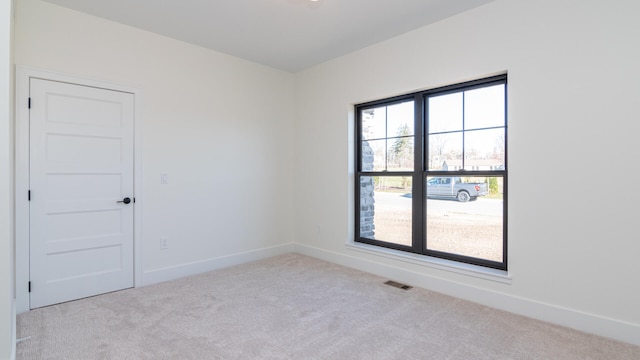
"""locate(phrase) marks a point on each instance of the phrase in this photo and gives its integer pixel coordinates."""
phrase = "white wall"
(220, 127)
(7, 314)
(573, 135)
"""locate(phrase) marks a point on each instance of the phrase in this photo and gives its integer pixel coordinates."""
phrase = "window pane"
(387, 134)
(400, 154)
(385, 208)
(374, 123)
(400, 119)
(484, 107)
(445, 152)
(445, 113)
(466, 226)
(374, 155)
(484, 149)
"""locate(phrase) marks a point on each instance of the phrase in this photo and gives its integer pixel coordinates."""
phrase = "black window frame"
(421, 171)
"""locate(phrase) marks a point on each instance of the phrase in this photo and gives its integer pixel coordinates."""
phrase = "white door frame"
(23, 74)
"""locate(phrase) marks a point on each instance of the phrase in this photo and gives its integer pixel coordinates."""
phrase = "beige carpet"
(294, 307)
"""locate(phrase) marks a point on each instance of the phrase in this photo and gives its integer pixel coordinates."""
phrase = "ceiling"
(290, 35)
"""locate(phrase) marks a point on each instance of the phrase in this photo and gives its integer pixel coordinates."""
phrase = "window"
(431, 172)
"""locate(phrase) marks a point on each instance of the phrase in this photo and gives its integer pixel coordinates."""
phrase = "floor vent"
(398, 285)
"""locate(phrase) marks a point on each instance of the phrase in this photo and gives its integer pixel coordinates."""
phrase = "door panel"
(81, 164)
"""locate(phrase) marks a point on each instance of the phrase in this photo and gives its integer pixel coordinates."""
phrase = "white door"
(81, 171)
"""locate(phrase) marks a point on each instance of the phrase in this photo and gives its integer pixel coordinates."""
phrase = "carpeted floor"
(294, 307)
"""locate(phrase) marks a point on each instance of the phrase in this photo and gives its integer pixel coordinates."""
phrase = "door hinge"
(29, 286)
(134, 200)
(29, 103)
(29, 195)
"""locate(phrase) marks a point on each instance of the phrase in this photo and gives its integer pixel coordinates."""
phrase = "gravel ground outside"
(471, 235)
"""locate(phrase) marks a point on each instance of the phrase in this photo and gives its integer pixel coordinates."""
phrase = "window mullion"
(418, 210)
(464, 132)
(386, 138)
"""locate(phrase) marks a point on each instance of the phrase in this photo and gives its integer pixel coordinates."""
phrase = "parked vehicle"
(453, 187)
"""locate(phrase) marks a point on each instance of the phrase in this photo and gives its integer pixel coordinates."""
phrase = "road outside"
(472, 228)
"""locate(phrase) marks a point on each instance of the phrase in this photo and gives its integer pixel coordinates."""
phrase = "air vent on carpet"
(398, 285)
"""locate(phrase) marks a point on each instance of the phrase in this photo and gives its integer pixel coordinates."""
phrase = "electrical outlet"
(164, 243)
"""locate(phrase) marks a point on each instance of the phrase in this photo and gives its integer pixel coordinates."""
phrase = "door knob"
(125, 200)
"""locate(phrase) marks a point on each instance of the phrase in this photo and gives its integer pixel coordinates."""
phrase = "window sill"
(435, 263)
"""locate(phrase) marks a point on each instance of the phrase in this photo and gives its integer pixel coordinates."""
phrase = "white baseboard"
(590, 323)
(198, 267)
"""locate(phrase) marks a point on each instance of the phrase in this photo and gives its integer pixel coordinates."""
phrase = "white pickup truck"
(453, 187)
